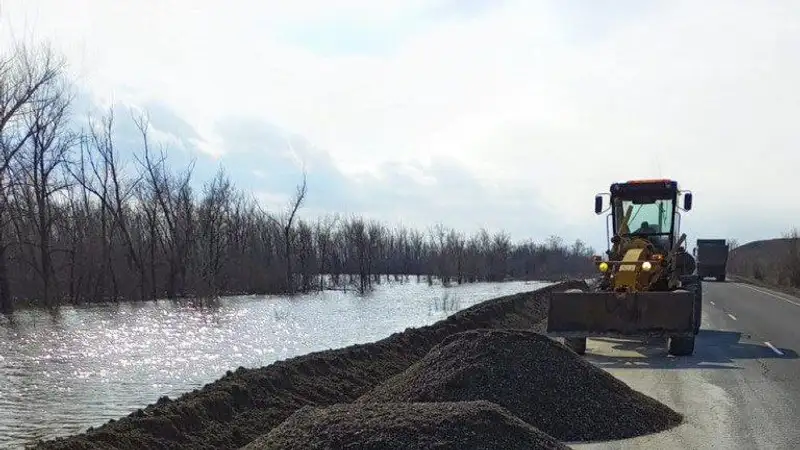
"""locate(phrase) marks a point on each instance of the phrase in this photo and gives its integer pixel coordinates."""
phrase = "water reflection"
(64, 370)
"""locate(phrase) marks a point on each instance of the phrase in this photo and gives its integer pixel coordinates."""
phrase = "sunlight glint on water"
(60, 374)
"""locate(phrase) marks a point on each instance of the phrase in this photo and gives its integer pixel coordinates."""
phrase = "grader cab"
(646, 287)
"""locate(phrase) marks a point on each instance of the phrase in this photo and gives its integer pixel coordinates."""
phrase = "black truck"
(712, 258)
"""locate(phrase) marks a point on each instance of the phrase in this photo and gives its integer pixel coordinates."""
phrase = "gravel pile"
(536, 378)
(245, 404)
(391, 426)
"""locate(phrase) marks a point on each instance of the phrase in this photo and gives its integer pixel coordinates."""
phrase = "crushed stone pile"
(392, 426)
(247, 403)
(536, 378)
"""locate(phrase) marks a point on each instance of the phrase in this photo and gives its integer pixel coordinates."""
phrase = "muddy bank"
(232, 411)
(534, 377)
(394, 426)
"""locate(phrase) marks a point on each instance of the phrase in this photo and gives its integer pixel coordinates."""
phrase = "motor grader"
(646, 287)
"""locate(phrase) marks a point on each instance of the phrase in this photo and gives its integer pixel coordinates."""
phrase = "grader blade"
(610, 314)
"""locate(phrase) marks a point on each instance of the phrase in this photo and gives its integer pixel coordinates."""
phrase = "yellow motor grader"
(646, 287)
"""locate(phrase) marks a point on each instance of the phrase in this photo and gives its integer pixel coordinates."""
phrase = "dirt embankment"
(537, 379)
(481, 389)
(243, 405)
(394, 426)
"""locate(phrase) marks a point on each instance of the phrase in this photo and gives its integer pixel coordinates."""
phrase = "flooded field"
(61, 373)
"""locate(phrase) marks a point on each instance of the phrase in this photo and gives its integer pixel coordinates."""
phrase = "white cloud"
(271, 201)
(704, 92)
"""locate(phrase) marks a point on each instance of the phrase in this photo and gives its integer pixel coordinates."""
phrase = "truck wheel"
(578, 345)
(681, 346)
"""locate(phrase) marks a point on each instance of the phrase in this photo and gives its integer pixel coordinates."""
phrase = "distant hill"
(772, 261)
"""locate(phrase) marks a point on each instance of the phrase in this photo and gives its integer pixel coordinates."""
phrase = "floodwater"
(63, 372)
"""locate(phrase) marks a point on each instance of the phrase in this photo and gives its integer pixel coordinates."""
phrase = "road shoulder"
(727, 398)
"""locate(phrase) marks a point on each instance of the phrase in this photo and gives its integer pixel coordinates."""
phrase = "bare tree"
(791, 260)
(456, 249)
(77, 223)
(100, 173)
(375, 236)
(172, 194)
(324, 241)
(25, 72)
(285, 222)
(46, 152)
(356, 251)
(213, 234)
(307, 261)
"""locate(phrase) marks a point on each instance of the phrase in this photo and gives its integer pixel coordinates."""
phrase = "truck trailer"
(712, 258)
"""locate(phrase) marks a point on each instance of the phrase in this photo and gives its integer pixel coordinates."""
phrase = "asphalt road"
(740, 389)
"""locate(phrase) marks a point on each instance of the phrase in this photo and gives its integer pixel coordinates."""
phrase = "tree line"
(82, 222)
(774, 262)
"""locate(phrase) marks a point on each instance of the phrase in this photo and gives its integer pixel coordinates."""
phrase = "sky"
(475, 113)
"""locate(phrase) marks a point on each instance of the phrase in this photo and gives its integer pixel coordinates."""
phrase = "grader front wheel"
(578, 345)
(681, 346)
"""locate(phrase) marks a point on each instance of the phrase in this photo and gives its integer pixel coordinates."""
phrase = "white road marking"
(774, 349)
(731, 316)
(770, 294)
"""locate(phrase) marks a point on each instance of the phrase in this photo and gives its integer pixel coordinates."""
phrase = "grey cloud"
(128, 139)
(252, 144)
(163, 118)
(457, 199)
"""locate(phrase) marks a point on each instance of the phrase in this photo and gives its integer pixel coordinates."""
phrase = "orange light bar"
(650, 180)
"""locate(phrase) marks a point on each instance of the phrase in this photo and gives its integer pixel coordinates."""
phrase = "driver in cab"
(646, 229)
